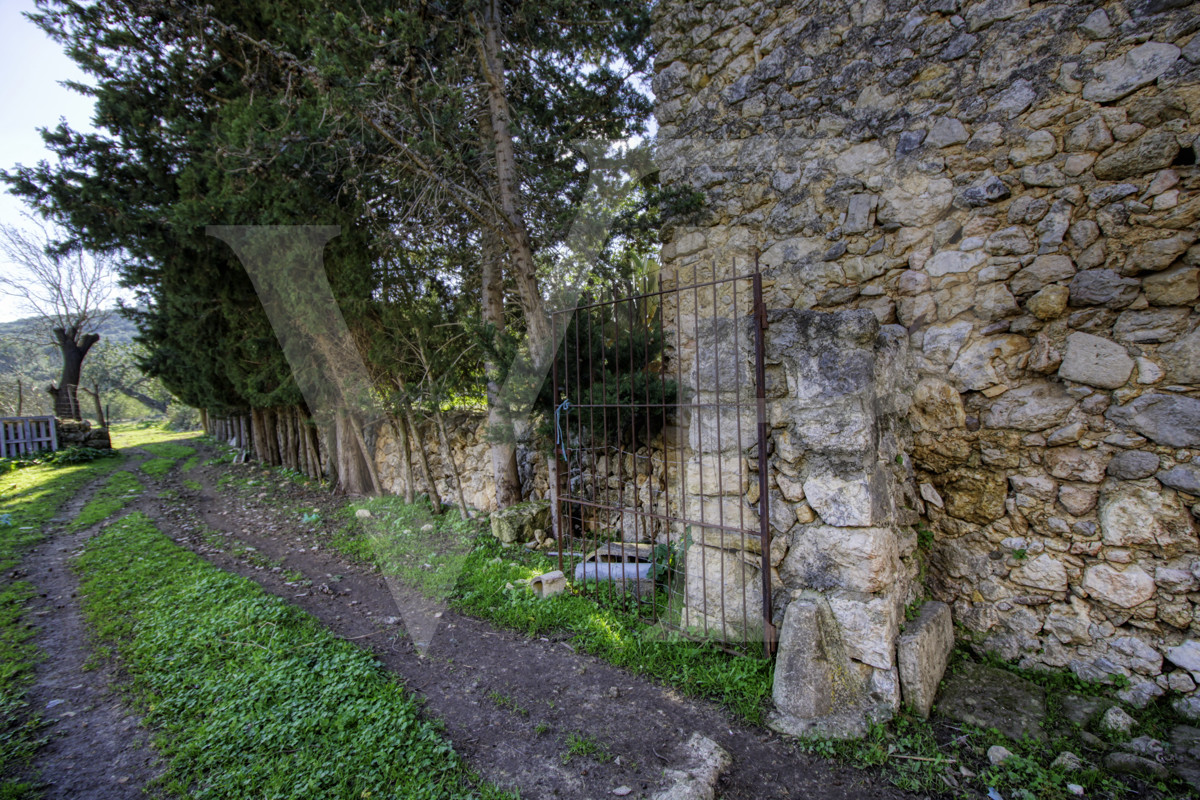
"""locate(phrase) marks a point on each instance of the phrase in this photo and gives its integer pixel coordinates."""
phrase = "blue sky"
(31, 67)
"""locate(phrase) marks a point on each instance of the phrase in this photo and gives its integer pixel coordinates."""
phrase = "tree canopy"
(445, 139)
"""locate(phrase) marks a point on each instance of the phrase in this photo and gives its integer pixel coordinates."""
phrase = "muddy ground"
(509, 703)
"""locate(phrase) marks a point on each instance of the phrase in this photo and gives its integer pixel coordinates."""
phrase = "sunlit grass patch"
(157, 467)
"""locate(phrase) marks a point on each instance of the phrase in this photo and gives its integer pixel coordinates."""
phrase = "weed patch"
(253, 697)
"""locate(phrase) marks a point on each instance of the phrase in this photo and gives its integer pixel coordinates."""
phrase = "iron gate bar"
(587, 510)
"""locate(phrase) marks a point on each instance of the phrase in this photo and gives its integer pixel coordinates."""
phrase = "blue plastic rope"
(565, 405)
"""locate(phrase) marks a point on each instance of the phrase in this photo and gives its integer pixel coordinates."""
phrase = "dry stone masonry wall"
(1012, 187)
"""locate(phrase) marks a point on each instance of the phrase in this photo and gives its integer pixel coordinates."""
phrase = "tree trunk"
(435, 499)
(20, 399)
(74, 347)
(95, 393)
(504, 451)
(516, 234)
(405, 456)
(146, 400)
(462, 500)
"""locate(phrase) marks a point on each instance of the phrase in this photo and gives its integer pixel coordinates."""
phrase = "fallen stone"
(1082, 710)
(1095, 361)
(1185, 746)
(548, 584)
(923, 651)
(998, 754)
(1130, 72)
(363, 513)
(1067, 761)
(697, 779)
(815, 688)
(520, 523)
(1146, 747)
(1116, 720)
(1129, 764)
(994, 698)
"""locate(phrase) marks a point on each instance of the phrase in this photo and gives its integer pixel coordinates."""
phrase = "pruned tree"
(68, 290)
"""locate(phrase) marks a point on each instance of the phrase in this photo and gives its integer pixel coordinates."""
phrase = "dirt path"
(510, 705)
(95, 747)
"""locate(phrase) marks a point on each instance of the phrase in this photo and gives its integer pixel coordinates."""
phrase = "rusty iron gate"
(660, 492)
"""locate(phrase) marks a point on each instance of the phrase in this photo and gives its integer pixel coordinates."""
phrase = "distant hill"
(116, 329)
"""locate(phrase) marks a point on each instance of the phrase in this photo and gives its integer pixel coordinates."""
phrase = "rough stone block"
(549, 584)
(1095, 361)
(923, 652)
(994, 698)
(521, 523)
(816, 689)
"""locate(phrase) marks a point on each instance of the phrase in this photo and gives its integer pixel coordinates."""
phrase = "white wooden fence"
(21, 436)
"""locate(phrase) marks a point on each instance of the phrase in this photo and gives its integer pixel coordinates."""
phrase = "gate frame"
(560, 500)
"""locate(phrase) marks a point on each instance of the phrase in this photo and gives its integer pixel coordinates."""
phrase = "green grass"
(169, 450)
(190, 464)
(251, 696)
(157, 467)
(118, 490)
(486, 582)
(582, 745)
(137, 434)
(29, 499)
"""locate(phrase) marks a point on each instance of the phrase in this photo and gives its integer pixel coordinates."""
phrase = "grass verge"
(252, 696)
(138, 434)
(484, 580)
(29, 499)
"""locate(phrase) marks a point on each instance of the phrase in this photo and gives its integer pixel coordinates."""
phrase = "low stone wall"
(469, 445)
(81, 434)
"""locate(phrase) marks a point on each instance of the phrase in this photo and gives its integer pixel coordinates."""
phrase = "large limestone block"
(851, 502)
(825, 557)
(1133, 515)
(982, 364)
(923, 652)
(870, 625)
(1124, 588)
(1155, 150)
(1033, 407)
(722, 589)
(1165, 418)
(1095, 361)
(524, 522)
(816, 688)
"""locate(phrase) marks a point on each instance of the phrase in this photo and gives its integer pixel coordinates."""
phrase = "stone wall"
(467, 432)
(1014, 184)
